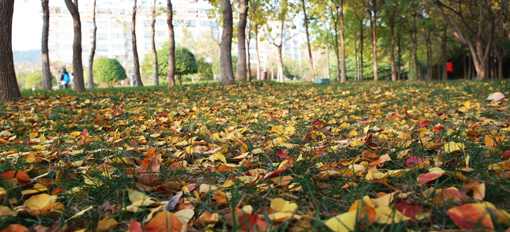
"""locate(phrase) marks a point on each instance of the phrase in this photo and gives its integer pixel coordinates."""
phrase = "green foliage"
(35, 79)
(108, 70)
(185, 62)
(205, 69)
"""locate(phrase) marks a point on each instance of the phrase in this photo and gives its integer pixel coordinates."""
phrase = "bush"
(185, 62)
(35, 79)
(108, 71)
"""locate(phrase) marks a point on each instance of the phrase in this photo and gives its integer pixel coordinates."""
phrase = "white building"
(114, 33)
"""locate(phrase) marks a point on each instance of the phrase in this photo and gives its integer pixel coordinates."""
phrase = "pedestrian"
(65, 78)
(449, 69)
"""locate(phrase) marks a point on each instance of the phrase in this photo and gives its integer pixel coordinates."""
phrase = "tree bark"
(392, 30)
(78, 82)
(259, 70)
(280, 64)
(171, 48)
(415, 50)
(226, 71)
(337, 53)
(90, 82)
(136, 61)
(155, 77)
(241, 36)
(343, 79)
(248, 63)
(308, 40)
(46, 81)
(361, 51)
(443, 49)
(374, 38)
(9, 88)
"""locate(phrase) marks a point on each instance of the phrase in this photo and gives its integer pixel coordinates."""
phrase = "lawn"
(258, 157)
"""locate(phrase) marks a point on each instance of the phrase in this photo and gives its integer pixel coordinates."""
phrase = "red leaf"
(428, 177)
(85, 132)
(506, 156)
(273, 173)
(423, 124)
(282, 154)
(20, 175)
(469, 215)
(408, 210)
(15, 228)
(135, 226)
(414, 161)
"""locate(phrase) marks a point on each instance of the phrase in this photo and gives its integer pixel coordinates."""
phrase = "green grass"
(130, 114)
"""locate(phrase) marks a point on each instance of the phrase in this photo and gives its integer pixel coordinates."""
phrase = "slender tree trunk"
(171, 48)
(392, 29)
(241, 36)
(361, 51)
(374, 39)
(155, 64)
(248, 63)
(226, 71)
(356, 57)
(136, 61)
(400, 77)
(9, 88)
(327, 57)
(500, 67)
(470, 67)
(280, 63)
(337, 53)
(343, 79)
(464, 66)
(46, 81)
(78, 83)
(415, 51)
(308, 39)
(259, 70)
(90, 83)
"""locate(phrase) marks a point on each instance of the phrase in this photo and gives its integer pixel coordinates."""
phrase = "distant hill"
(32, 56)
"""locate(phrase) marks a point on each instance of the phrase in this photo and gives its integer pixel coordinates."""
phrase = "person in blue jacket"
(65, 78)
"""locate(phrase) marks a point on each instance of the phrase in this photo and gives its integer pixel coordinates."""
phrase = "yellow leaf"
(6, 211)
(40, 201)
(281, 205)
(33, 135)
(106, 224)
(185, 215)
(277, 129)
(80, 213)
(344, 222)
(257, 151)
(220, 156)
(453, 146)
(353, 133)
(386, 215)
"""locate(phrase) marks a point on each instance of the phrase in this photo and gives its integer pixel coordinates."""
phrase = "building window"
(118, 36)
(192, 10)
(160, 33)
(160, 21)
(147, 34)
(52, 48)
(118, 47)
(191, 23)
(146, 23)
(102, 36)
(102, 24)
(175, 23)
(102, 47)
(147, 46)
(204, 23)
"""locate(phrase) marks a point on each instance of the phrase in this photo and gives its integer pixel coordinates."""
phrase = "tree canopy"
(108, 70)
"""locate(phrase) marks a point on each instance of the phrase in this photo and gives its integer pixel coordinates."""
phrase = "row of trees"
(480, 25)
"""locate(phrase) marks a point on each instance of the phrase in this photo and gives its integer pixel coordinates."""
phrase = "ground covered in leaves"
(258, 157)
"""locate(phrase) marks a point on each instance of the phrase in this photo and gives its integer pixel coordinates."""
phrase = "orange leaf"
(15, 228)
(207, 218)
(164, 221)
(470, 215)
(20, 175)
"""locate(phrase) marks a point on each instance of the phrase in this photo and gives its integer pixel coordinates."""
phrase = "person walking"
(65, 78)
(449, 69)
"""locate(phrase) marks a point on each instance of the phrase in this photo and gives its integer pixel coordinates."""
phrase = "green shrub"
(108, 70)
(35, 79)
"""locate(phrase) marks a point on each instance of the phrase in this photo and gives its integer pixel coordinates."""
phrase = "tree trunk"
(337, 53)
(399, 59)
(9, 88)
(155, 77)
(361, 51)
(307, 39)
(171, 48)
(470, 68)
(46, 81)
(226, 72)
(136, 62)
(343, 79)
(415, 50)
(90, 82)
(464, 66)
(374, 39)
(78, 83)
(248, 63)
(280, 64)
(392, 29)
(500, 67)
(259, 70)
(241, 36)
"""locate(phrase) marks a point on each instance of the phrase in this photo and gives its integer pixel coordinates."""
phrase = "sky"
(26, 25)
